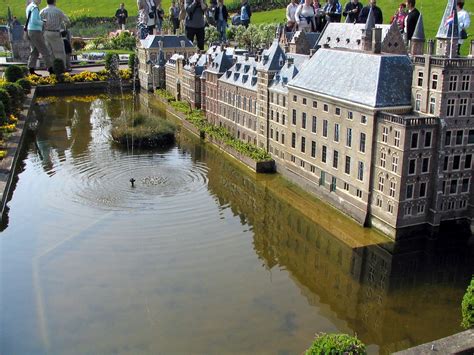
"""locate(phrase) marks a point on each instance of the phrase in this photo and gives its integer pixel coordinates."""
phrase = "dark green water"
(202, 257)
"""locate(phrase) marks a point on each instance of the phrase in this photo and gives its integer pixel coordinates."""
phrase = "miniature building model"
(388, 139)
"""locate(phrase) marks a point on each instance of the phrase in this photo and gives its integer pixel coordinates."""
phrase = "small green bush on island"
(6, 100)
(16, 94)
(336, 344)
(143, 131)
(3, 114)
(467, 307)
(25, 84)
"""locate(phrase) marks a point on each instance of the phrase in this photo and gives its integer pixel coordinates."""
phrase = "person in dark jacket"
(195, 21)
(121, 15)
(376, 11)
(352, 10)
(412, 19)
(333, 11)
(221, 16)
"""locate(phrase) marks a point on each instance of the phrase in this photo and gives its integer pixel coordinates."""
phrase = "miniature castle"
(380, 130)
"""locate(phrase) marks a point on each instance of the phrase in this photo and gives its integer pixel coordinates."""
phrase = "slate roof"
(221, 63)
(419, 32)
(288, 72)
(346, 35)
(446, 32)
(272, 58)
(169, 41)
(243, 73)
(372, 80)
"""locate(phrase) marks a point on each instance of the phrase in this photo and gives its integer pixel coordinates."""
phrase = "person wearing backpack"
(245, 13)
(34, 30)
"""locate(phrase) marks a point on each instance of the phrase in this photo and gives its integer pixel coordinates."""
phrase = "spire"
(449, 22)
(370, 23)
(419, 32)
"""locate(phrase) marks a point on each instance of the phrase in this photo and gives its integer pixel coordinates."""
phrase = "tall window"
(303, 120)
(293, 140)
(303, 144)
(468, 161)
(349, 137)
(453, 186)
(397, 138)
(347, 168)
(470, 136)
(409, 194)
(453, 83)
(459, 136)
(324, 153)
(466, 78)
(383, 158)
(420, 78)
(360, 171)
(385, 134)
(450, 107)
(336, 132)
(362, 143)
(411, 167)
(465, 185)
(393, 188)
(394, 163)
(381, 183)
(414, 140)
(313, 149)
(325, 128)
(294, 118)
(434, 81)
(428, 135)
(422, 189)
(335, 159)
(425, 165)
(314, 124)
(456, 162)
(432, 105)
(447, 138)
(463, 107)
(418, 102)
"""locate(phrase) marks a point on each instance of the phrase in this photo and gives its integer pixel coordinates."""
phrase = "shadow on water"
(391, 295)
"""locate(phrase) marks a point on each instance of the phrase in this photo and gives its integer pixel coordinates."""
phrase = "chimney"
(290, 61)
(234, 59)
(246, 57)
(377, 40)
(312, 51)
(431, 47)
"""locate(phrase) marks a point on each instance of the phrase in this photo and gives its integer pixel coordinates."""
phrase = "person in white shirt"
(304, 16)
(290, 15)
(464, 21)
(54, 21)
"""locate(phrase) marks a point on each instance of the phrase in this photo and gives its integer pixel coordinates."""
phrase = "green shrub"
(467, 307)
(25, 70)
(16, 94)
(25, 84)
(5, 100)
(3, 114)
(132, 65)
(124, 40)
(336, 344)
(78, 44)
(112, 64)
(13, 73)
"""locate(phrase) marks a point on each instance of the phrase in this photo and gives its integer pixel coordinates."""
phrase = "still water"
(201, 257)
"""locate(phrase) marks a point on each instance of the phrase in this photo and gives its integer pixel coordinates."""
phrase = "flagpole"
(452, 39)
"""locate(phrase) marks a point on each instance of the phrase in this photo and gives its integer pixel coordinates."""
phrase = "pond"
(201, 257)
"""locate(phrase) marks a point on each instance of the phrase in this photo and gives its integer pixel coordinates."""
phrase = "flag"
(449, 19)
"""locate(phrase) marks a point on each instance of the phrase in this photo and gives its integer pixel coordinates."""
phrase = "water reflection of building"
(386, 293)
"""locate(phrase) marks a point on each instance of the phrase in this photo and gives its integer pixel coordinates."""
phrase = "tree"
(467, 307)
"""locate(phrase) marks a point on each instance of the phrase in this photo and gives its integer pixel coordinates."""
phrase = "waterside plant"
(467, 307)
(336, 344)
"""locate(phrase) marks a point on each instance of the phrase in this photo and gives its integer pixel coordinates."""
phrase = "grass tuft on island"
(142, 131)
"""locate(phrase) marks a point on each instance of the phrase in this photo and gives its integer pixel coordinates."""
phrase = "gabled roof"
(371, 80)
(346, 35)
(272, 58)
(419, 32)
(168, 41)
(288, 72)
(221, 63)
(243, 73)
(445, 32)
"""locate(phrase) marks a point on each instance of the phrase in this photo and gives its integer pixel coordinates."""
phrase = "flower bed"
(83, 77)
(221, 137)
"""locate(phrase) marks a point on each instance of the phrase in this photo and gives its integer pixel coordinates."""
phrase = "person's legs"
(55, 44)
(190, 33)
(151, 29)
(200, 38)
(224, 31)
(37, 42)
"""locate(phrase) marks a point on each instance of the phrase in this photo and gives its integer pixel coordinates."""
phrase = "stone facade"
(388, 139)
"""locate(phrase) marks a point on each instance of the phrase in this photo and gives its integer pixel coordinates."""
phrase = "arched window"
(381, 183)
(383, 158)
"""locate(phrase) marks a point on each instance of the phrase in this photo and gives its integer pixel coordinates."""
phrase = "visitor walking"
(304, 16)
(221, 16)
(375, 10)
(245, 13)
(400, 17)
(174, 16)
(34, 28)
(290, 15)
(352, 10)
(147, 17)
(54, 20)
(411, 20)
(160, 17)
(66, 35)
(195, 21)
(333, 11)
(464, 21)
(121, 15)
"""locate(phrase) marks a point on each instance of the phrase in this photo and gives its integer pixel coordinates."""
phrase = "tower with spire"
(448, 32)
(368, 32)
(417, 42)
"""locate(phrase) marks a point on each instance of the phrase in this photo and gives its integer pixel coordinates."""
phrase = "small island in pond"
(143, 131)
